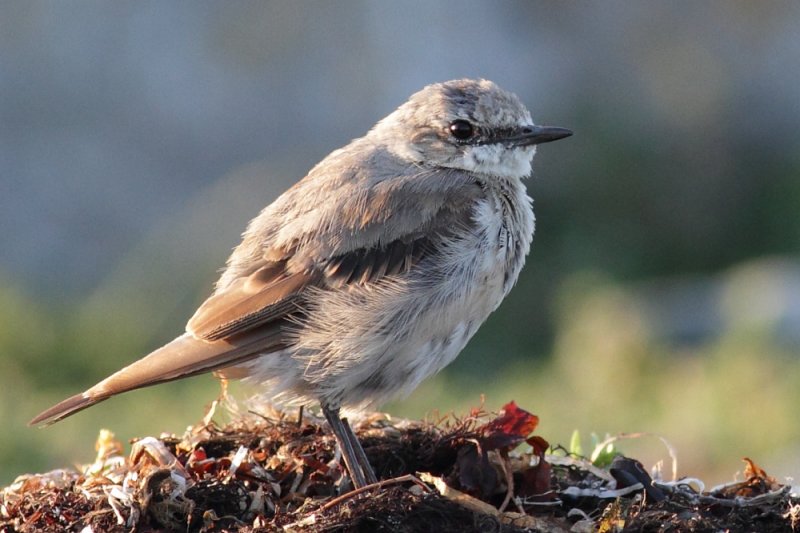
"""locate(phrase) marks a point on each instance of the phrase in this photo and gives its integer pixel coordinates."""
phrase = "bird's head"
(470, 125)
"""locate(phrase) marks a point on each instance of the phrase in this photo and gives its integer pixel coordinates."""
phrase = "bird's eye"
(461, 129)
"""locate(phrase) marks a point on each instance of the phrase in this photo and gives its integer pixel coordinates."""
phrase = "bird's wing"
(358, 236)
(268, 294)
(272, 293)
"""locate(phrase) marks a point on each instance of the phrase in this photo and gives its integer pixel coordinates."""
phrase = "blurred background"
(662, 294)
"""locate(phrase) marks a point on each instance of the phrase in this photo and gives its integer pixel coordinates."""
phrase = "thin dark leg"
(342, 438)
(361, 457)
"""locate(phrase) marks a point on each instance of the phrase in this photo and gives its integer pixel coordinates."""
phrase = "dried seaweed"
(274, 474)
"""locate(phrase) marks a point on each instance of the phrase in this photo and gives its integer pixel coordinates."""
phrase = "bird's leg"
(346, 444)
(361, 457)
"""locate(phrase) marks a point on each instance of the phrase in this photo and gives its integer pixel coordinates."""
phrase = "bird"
(373, 271)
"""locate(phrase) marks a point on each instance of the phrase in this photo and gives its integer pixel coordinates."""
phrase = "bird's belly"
(463, 302)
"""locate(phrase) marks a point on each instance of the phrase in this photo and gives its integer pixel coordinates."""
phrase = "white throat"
(497, 160)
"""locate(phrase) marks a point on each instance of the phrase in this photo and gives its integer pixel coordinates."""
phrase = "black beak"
(530, 135)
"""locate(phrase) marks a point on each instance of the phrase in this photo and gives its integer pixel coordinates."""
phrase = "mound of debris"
(261, 474)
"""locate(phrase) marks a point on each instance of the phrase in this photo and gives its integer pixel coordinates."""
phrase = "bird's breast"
(491, 254)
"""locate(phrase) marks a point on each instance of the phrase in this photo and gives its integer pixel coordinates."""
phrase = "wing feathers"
(370, 265)
(262, 297)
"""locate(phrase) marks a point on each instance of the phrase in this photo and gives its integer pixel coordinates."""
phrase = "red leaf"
(536, 479)
(199, 454)
(511, 427)
(539, 445)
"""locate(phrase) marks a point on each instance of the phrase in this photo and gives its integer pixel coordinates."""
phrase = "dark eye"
(461, 129)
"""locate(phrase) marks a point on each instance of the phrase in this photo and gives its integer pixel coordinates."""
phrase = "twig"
(509, 483)
(379, 485)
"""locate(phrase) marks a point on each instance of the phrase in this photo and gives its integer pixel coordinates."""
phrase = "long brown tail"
(65, 408)
(183, 357)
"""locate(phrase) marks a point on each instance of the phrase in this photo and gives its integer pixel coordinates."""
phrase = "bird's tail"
(183, 357)
(65, 408)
